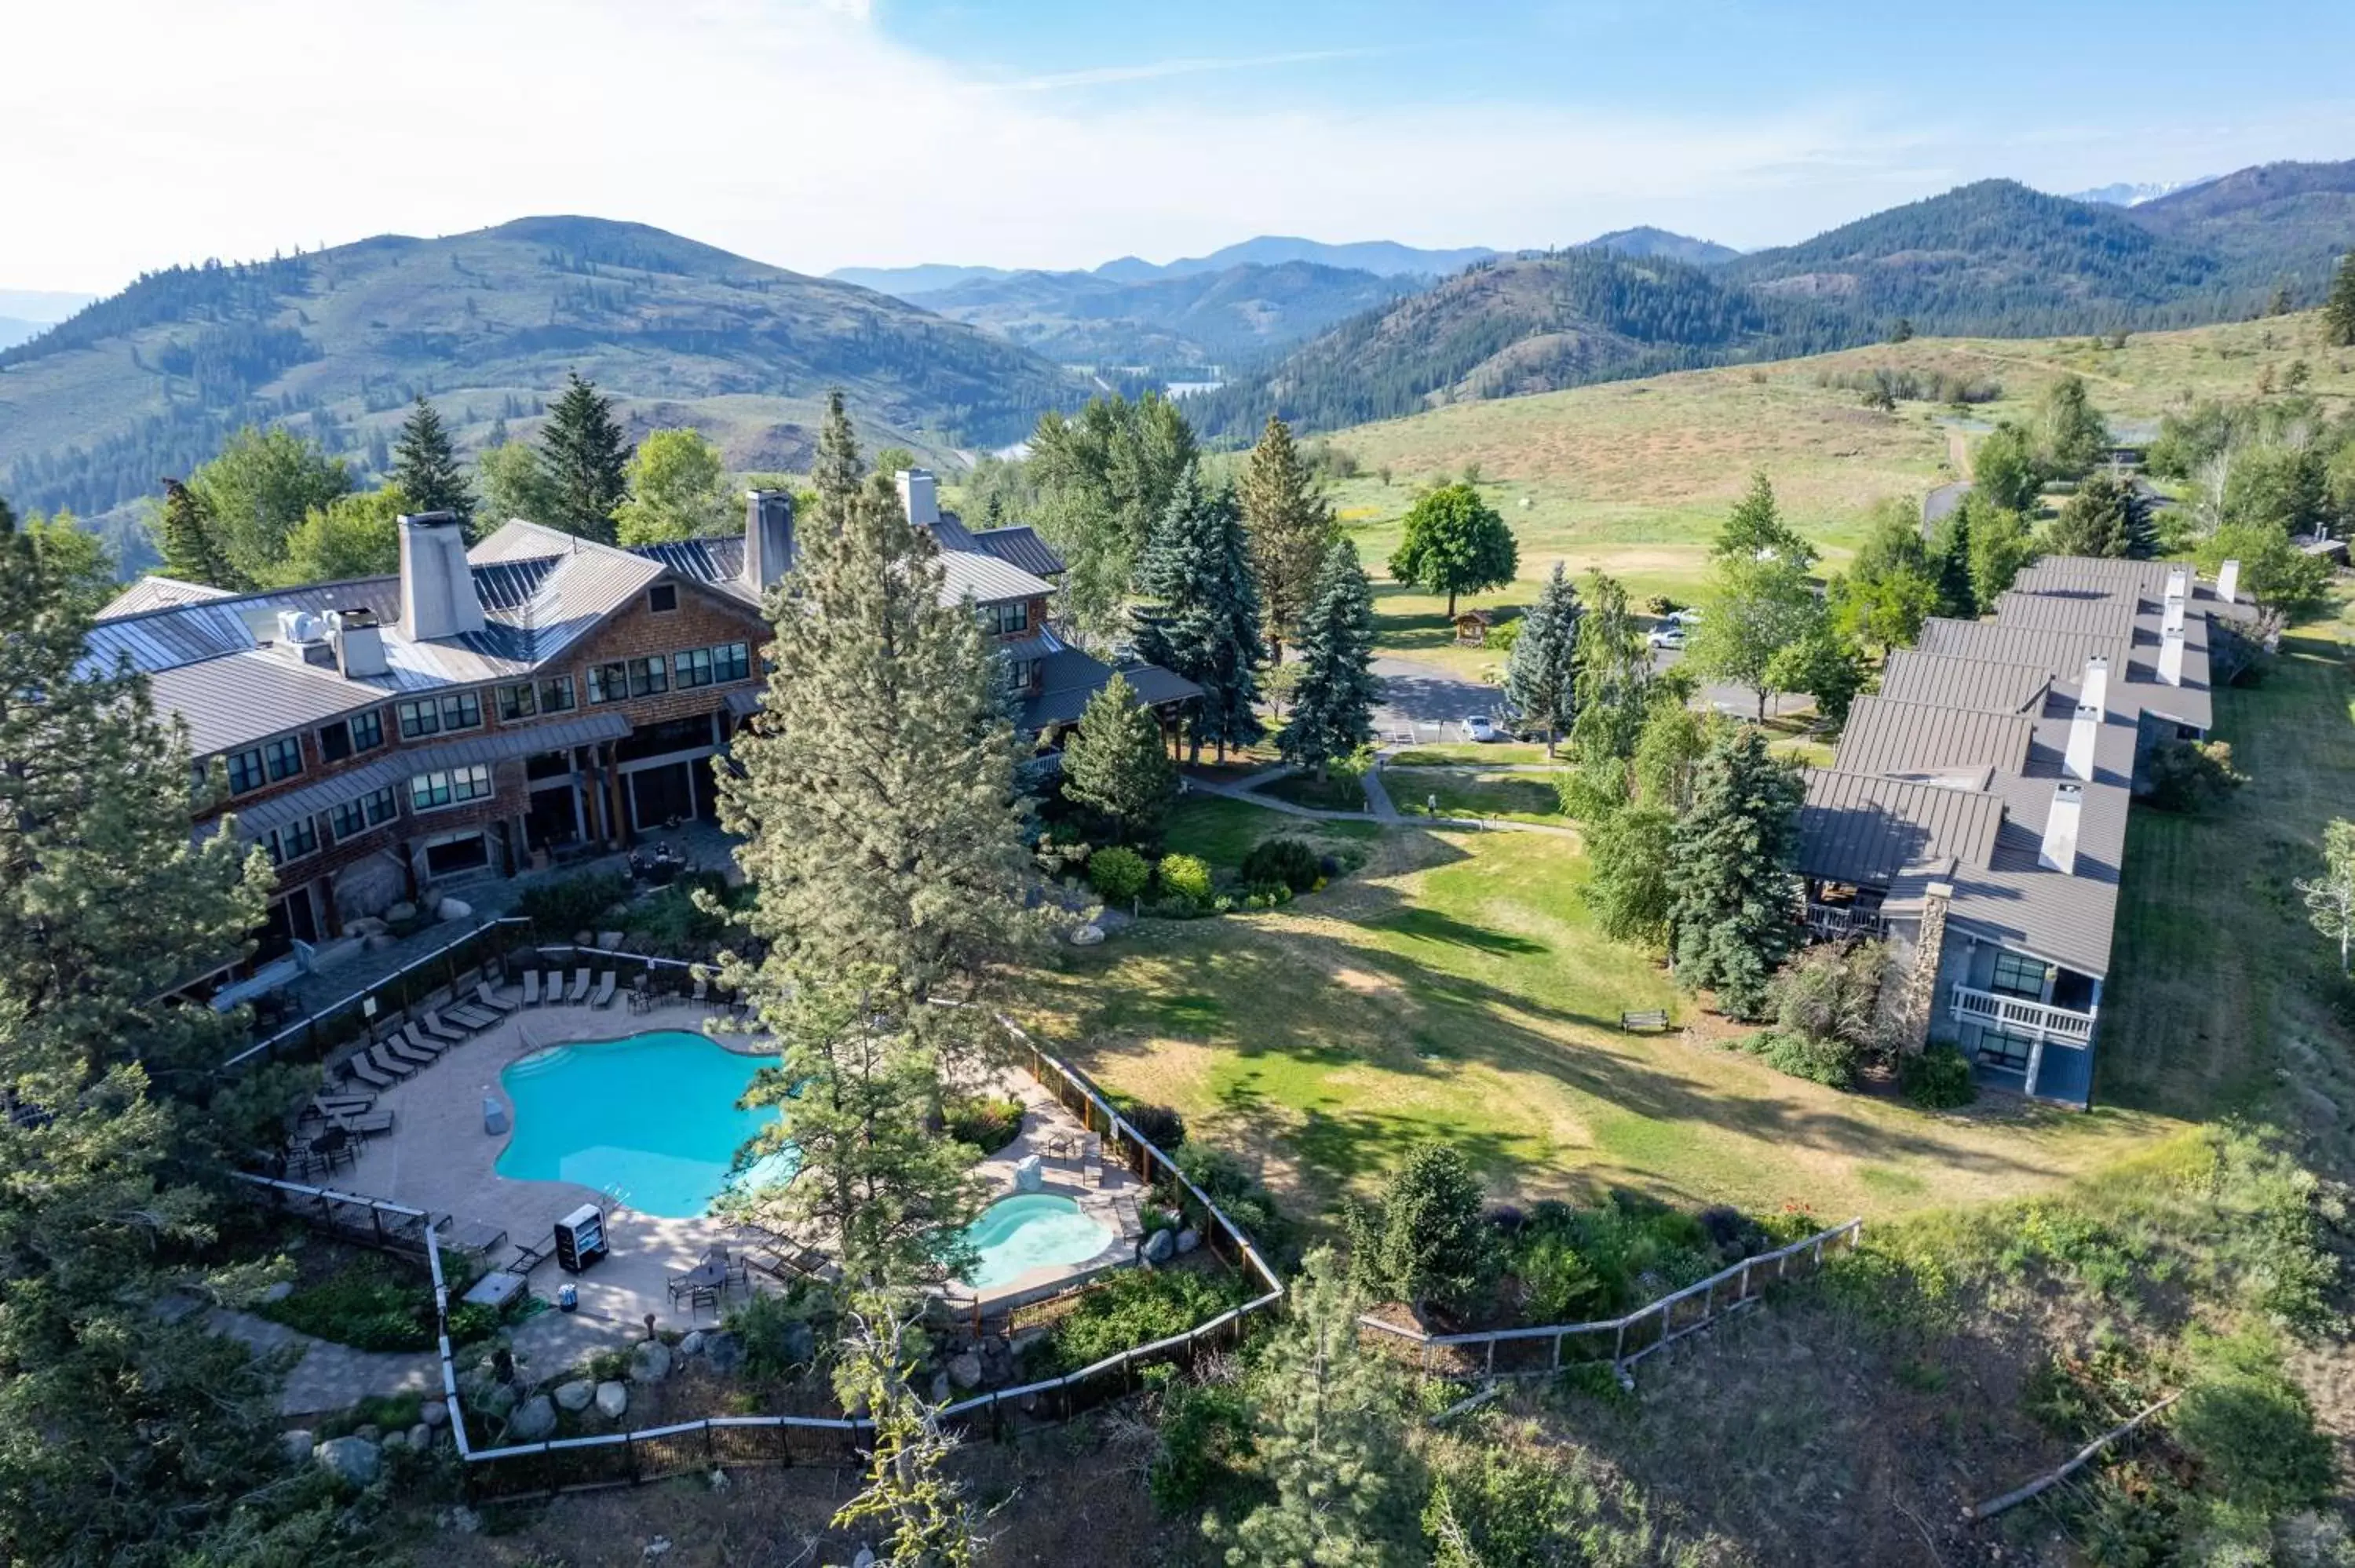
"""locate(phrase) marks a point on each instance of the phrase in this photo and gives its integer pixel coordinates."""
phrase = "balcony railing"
(1837, 922)
(2019, 1013)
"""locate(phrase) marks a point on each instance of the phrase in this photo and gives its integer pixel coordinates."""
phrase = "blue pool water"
(651, 1119)
(1033, 1230)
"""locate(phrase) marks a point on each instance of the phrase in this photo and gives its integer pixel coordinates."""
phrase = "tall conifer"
(186, 538)
(1541, 672)
(586, 460)
(1730, 886)
(2339, 311)
(1117, 767)
(1291, 527)
(425, 466)
(1201, 614)
(1333, 705)
(835, 472)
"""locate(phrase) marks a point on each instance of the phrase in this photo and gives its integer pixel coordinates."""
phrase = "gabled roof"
(157, 592)
(1891, 738)
(1911, 676)
(1856, 828)
(1021, 547)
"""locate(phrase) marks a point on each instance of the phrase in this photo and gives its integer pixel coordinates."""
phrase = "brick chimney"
(437, 585)
(768, 537)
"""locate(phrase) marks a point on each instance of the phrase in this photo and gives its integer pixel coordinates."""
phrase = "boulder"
(725, 1350)
(280, 1291)
(299, 1444)
(965, 1369)
(454, 909)
(404, 910)
(997, 1360)
(354, 1460)
(364, 925)
(394, 1442)
(575, 1395)
(1029, 1176)
(370, 1433)
(1088, 936)
(1160, 1247)
(609, 941)
(719, 1480)
(940, 1390)
(1189, 1239)
(420, 1437)
(650, 1362)
(434, 1413)
(462, 1518)
(496, 1400)
(534, 1419)
(693, 1344)
(613, 1399)
(377, 943)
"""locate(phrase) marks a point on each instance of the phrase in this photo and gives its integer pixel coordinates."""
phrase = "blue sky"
(819, 133)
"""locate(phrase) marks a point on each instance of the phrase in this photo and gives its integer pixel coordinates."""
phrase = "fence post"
(375, 1218)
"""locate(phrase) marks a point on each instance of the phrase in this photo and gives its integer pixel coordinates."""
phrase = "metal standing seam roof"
(157, 592)
(2086, 612)
(492, 745)
(1860, 829)
(246, 698)
(2060, 653)
(1943, 680)
(1021, 547)
(1885, 736)
(1069, 677)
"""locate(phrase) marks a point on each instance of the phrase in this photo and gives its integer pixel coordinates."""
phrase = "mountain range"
(1382, 258)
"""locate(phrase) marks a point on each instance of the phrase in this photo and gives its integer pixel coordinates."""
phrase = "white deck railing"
(1832, 922)
(2010, 1012)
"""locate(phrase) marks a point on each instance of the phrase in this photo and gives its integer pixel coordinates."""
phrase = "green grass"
(1511, 797)
(1223, 830)
(1473, 753)
(1334, 792)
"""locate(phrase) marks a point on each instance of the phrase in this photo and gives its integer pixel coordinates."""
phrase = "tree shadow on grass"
(1435, 925)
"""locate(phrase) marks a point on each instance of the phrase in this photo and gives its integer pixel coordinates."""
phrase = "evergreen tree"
(425, 466)
(1541, 671)
(1291, 527)
(124, 1438)
(1732, 894)
(1333, 701)
(1628, 891)
(1201, 612)
(837, 471)
(184, 536)
(1117, 767)
(1455, 544)
(931, 1523)
(2339, 311)
(587, 461)
(1105, 477)
(1328, 1439)
(499, 436)
(1427, 1241)
(1613, 691)
(1950, 565)
(896, 840)
(2107, 517)
(1755, 530)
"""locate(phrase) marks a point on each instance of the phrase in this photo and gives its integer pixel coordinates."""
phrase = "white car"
(1669, 631)
(1477, 727)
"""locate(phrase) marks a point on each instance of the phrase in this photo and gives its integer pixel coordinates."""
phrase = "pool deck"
(1115, 1203)
(439, 1158)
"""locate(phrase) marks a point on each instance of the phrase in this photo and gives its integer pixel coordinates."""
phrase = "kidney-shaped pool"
(651, 1121)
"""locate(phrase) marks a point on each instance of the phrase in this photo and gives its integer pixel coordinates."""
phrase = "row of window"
(427, 792)
(456, 712)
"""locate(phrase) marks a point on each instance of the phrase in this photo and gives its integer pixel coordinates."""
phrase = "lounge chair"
(531, 988)
(580, 989)
(553, 991)
(342, 1104)
(470, 1017)
(369, 1073)
(492, 1002)
(416, 1038)
(433, 1026)
(400, 1050)
(386, 1062)
(604, 995)
(362, 1125)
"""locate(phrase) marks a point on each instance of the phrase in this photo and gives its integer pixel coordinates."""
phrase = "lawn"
(1467, 753)
(1456, 987)
(1223, 830)
(1470, 792)
(1334, 792)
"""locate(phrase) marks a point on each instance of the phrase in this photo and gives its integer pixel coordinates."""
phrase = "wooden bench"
(1656, 1018)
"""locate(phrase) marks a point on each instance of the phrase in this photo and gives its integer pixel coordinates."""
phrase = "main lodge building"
(488, 708)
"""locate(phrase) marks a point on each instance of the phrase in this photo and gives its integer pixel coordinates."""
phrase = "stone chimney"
(2228, 582)
(2085, 724)
(359, 643)
(768, 537)
(2059, 849)
(437, 585)
(919, 495)
(1912, 1003)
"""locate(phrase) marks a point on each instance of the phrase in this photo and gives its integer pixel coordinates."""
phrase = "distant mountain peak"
(1644, 241)
(2128, 194)
(1384, 258)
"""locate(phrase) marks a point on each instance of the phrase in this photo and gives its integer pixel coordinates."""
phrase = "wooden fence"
(1619, 1342)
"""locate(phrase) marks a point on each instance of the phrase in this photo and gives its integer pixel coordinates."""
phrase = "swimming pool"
(1032, 1230)
(651, 1119)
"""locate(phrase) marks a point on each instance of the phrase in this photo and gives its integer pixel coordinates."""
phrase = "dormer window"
(1010, 620)
(663, 598)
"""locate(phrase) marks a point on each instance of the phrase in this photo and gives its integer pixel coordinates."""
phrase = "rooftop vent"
(920, 496)
(2059, 849)
(768, 537)
(436, 585)
(303, 636)
(2085, 724)
(359, 641)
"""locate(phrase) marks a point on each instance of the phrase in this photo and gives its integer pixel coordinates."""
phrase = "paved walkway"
(328, 1377)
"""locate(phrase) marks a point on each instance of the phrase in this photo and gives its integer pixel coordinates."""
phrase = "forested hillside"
(151, 381)
(2280, 225)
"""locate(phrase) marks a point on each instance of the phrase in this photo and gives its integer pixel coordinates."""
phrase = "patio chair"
(363, 1124)
(435, 1027)
(384, 1061)
(1091, 1160)
(416, 1038)
(334, 1146)
(552, 992)
(492, 1002)
(401, 1049)
(702, 991)
(579, 991)
(531, 988)
(368, 1073)
(467, 1016)
(604, 995)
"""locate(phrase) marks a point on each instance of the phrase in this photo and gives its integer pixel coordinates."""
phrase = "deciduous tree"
(678, 490)
(1731, 891)
(1542, 673)
(1888, 589)
(1333, 701)
(515, 484)
(1629, 890)
(586, 459)
(1105, 477)
(356, 535)
(1755, 530)
(2071, 434)
(1612, 691)
(2284, 580)
(2330, 897)
(425, 466)
(1756, 608)
(259, 490)
(2001, 549)
(1201, 612)
(1117, 767)
(1455, 544)
(2005, 469)
(928, 1519)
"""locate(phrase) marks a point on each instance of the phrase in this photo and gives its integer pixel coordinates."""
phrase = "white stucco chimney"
(768, 537)
(2059, 849)
(919, 495)
(2228, 581)
(2170, 657)
(437, 585)
(2179, 582)
(2085, 724)
(2175, 607)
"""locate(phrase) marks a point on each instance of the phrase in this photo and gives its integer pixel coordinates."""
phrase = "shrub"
(2252, 1430)
(1118, 875)
(1830, 993)
(1829, 1061)
(1161, 1126)
(1577, 1264)
(670, 920)
(986, 1123)
(1289, 863)
(773, 1327)
(1427, 1240)
(1185, 876)
(2192, 775)
(1203, 1426)
(1937, 1078)
(1134, 1306)
(371, 1306)
(558, 909)
(1224, 1180)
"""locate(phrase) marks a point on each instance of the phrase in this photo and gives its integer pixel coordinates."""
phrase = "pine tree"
(1612, 691)
(837, 471)
(586, 460)
(2339, 311)
(2106, 517)
(893, 837)
(1755, 529)
(184, 536)
(124, 1439)
(1950, 565)
(1731, 892)
(1541, 672)
(1292, 532)
(931, 1523)
(1117, 767)
(1427, 1242)
(1201, 614)
(1328, 1439)
(1333, 700)
(426, 469)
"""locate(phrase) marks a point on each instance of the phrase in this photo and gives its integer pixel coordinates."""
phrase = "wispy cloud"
(1151, 70)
